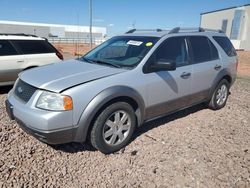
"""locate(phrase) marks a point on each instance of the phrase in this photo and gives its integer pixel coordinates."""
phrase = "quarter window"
(173, 50)
(226, 45)
(6, 48)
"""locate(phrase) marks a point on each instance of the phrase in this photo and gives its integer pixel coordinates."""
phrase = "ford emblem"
(20, 89)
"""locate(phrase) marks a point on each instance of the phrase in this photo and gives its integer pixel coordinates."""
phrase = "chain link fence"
(96, 41)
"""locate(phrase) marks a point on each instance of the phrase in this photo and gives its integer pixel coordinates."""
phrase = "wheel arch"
(223, 74)
(228, 78)
(104, 99)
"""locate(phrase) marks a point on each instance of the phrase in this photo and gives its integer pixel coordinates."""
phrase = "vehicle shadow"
(5, 89)
(78, 147)
(73, 147)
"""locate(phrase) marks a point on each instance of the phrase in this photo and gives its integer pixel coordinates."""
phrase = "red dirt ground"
(73, 49)
(244, 63)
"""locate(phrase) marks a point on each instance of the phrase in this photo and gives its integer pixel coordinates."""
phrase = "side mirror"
(163, 66)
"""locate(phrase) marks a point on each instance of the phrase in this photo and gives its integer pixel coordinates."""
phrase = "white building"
(52, 30)
(234, 21)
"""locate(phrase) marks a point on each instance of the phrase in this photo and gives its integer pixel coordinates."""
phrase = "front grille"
(24, 91)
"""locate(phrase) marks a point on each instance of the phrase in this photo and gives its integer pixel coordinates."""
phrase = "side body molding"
(101, 99)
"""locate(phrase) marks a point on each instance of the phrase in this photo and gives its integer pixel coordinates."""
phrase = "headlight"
(54, 101)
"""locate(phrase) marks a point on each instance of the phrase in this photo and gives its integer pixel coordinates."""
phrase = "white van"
(20, 52)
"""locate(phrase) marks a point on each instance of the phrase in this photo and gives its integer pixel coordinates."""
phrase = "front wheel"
(220, 95)
(113, 128)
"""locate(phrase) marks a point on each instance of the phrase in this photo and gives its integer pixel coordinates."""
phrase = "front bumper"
(49, 137)
(27, 118)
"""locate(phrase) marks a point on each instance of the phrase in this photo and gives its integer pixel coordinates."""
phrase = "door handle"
(217, 67)
(185, 75)
(21, 61)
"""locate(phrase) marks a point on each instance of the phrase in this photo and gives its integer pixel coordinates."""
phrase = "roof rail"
(18, 34)
(141, 30)
(199, 29)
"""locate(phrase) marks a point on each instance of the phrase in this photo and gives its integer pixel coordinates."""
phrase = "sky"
(117, 15)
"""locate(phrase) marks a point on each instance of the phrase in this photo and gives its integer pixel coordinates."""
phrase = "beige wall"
(213, 20)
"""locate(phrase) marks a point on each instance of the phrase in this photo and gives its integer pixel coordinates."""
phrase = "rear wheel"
(220, 95)
(113, 128)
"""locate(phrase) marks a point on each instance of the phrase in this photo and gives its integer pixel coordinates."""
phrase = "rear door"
(205, 63)
(10, 61)
(169, 90)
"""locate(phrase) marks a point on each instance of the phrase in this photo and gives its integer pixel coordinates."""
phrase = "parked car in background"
(126, 81)
(20, 52)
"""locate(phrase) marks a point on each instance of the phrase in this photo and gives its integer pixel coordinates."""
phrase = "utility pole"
(90, 23)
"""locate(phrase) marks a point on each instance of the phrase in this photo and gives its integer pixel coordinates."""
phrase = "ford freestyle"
(121, 84)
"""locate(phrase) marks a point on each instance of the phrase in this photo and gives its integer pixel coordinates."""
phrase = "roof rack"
(141, 30)
(18, 34)
(199, 29)
(176, 30)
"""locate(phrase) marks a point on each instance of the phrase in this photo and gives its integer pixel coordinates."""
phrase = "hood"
(60, 76)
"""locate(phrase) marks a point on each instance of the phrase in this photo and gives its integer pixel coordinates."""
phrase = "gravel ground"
(197, 147)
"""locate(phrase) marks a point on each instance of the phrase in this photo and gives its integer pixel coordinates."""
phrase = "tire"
(220, 95)
(107, 135)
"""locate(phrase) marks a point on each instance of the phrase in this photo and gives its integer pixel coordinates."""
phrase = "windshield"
(121, 52)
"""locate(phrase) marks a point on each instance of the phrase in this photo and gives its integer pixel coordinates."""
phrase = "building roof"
(69, 28)
(224, 9)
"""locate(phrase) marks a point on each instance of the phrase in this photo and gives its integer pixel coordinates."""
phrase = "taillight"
(59, 55)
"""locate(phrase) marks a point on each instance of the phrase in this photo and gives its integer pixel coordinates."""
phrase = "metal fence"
(96, 41)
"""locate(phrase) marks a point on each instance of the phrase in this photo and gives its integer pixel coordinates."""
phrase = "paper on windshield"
(134, 43)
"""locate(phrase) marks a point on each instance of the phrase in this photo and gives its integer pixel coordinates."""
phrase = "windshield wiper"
(107, 63)
(87, 60)
(100, 62)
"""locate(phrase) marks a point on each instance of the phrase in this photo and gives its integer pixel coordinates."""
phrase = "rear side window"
(173, 50)
(226, 45)
(33, 46)
(6, 48)
(202, 49)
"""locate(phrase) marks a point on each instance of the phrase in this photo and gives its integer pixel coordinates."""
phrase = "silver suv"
(123, 83)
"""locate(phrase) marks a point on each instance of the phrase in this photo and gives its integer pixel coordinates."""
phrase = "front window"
(173, 50)
(121, 52)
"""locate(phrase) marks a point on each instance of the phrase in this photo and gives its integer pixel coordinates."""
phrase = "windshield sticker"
(149, 44)
(134, 43)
